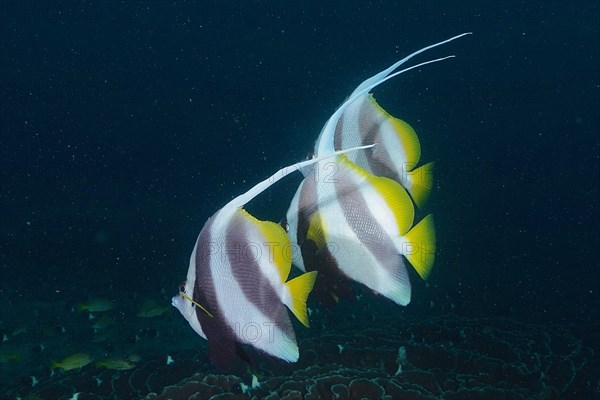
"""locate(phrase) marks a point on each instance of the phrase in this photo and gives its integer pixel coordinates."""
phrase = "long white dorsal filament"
(327, 136)
(283, 172)
(387, 71)
(325, 149)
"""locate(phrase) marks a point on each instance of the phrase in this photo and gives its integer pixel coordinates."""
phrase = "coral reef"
(439, 358)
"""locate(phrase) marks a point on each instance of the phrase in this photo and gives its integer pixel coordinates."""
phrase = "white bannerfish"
(237, 286)
(355, 219)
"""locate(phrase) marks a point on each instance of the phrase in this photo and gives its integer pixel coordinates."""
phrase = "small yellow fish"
(30, 397)
(101, 336)
(117, 363)
(22, 328)
(96, 305)
(78, 360)
(53, 330)
(134, 358)
(149, 309)
(6, 357)
(104, 322)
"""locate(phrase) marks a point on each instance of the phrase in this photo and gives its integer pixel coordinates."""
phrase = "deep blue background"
(125, 126)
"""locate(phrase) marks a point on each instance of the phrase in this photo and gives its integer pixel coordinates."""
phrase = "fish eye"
(182, 286)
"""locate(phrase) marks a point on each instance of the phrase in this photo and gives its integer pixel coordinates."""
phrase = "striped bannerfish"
(354, 219)
(237, 286)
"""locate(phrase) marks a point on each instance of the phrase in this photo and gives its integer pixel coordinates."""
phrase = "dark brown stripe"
(331, 280)
(220, 336)
(379, 161)
(307, 205)
(339, 128)
(363, 223)
(256, 287)
(368, 124)
(380, 166)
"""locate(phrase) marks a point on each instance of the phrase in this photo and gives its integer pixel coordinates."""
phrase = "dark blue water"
(125, 126)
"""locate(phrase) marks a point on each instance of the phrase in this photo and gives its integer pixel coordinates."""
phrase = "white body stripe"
(351, 132)
(354, 131)
(186, 307)
(249, 324)
(353, 257)
(377, 206)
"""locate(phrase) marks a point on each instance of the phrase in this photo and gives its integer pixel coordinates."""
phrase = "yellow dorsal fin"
(395, 196)
(274, 240)
(406, 135)
(300, 288)
(421, 246)
(420, 183)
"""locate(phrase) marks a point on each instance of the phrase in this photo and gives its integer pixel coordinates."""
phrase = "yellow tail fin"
(420, 182)
(419, 246)
(300, 288)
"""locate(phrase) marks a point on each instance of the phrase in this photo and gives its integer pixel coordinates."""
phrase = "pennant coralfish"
(237, 286)
(361, 119)
(359, 225)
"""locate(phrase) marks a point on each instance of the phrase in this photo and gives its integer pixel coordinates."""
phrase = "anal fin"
(299, 288)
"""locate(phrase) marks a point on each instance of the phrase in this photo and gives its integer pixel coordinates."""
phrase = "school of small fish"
(351, 219)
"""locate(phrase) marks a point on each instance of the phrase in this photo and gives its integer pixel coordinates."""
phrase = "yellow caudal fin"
(419, 246)
(420, 183)
(300, 288)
